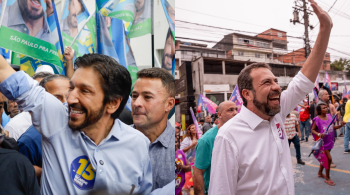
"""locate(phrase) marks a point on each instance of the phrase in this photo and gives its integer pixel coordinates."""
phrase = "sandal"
(329, 182)
(322, 176)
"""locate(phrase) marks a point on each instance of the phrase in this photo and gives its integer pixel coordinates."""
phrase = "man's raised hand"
(323, 17)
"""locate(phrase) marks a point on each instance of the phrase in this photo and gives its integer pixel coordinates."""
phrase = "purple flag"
(199, 132)
(327, 81)
(204, 102)
(316, 96)
(316, 83)
(236, 98)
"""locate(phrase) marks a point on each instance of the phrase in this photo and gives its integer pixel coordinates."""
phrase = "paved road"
(305, 176)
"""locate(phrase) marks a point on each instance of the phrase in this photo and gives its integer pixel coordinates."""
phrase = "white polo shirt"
(251, 155)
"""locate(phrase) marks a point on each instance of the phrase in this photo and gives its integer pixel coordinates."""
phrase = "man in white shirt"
(251, 154)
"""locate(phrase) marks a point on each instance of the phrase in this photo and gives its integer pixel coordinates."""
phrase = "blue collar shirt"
(72, 162)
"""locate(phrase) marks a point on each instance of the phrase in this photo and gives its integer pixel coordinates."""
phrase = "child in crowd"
(319, 126)
(181, 166)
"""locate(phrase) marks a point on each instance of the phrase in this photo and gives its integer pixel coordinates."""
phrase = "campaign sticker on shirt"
(82, 173)
(280, 131)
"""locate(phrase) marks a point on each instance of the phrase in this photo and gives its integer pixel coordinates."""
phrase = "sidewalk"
(305, 176)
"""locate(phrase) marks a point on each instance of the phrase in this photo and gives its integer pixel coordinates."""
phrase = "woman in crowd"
(189, 144)
(319, 126)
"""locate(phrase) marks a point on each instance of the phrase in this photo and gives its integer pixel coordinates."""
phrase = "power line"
(232, 29)
(225, 18)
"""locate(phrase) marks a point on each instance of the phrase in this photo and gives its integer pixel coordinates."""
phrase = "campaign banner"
(113, 41)
(142, 23)
(36, 36)
(29, 64)
(327, 81)
(120, 9)
(317, 82)
(78, 28)
(207, 104)
(170, 15)
(168, 59)
(315, 95)
(236, 98)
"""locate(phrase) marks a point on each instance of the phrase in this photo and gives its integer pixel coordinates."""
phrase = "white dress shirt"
(251, 155)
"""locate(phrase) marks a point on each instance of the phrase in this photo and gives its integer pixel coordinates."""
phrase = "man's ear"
(170, 103)
(247, 94)
(113, 105)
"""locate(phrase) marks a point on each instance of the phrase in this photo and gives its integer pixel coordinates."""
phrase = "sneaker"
(306, 139)
(302, 140)
(347, 151)
(301, 162)
(333, 165)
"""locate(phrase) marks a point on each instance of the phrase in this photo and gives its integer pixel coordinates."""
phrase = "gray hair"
(321, 93)
(51, 78)
(41, 75)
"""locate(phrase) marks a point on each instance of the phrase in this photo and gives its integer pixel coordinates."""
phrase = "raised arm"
(5, 69)
(315, 60)
(69, 55)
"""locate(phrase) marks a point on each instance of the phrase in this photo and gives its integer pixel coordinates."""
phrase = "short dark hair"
(318, 106)
(40, 75)
(167, 79)
(115, 79)
(51, 78)
(245, 81)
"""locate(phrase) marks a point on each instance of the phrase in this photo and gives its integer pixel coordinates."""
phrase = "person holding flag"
(322, 127)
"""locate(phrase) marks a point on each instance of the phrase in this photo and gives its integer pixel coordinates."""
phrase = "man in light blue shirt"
(85, 146)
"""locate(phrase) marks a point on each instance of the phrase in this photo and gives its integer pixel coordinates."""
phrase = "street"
(305, 176)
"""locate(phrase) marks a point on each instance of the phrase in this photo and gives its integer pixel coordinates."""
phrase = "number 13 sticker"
(82, 173)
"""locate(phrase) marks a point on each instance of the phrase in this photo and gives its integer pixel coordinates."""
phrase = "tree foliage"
(341, 64)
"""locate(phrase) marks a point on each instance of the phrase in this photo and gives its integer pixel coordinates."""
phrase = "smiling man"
(251, 153)
(85, 146)
(169, 52)
(152, 100)
(27, 16)
(70, 24)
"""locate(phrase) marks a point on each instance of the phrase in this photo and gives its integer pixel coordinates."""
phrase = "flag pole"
(87, 20)
(152, 35)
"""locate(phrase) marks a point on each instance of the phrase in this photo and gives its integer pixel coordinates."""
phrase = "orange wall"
(267, 35)
(299, 58)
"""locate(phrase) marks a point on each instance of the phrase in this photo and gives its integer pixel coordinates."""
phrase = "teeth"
(35, 2)
(76, 112)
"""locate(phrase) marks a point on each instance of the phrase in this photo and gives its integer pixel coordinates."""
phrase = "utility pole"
(303, 8)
